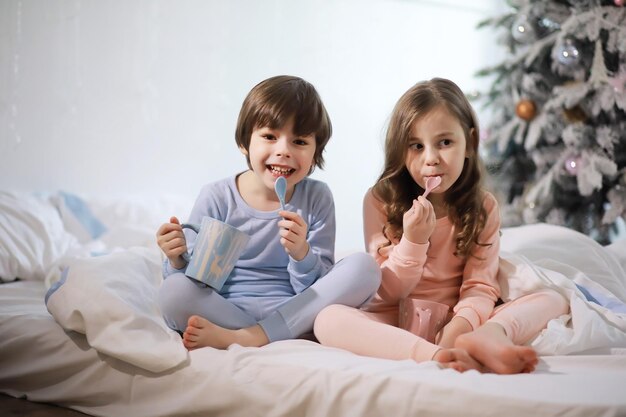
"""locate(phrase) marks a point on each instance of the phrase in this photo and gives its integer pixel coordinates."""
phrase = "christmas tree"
(556, 142)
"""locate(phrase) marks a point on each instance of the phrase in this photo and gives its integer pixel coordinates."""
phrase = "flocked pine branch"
(557, 139)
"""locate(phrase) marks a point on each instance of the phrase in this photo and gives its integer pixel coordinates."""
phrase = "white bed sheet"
(98, 373)
(289, 378)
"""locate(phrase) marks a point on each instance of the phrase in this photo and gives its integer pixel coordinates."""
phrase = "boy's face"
(279, 152)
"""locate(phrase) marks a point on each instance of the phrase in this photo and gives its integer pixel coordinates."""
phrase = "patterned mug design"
(423, 318)
(216, 251)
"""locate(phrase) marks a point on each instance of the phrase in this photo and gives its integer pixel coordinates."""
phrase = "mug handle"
(196, 228)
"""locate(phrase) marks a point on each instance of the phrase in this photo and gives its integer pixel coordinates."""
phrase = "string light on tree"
(523, 31)
(567, 52)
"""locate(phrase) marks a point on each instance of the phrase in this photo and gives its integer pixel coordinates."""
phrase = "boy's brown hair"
(272, 102)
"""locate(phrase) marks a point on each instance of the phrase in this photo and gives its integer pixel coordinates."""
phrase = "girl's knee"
(328, 314)
(556, 301)
(330, 320)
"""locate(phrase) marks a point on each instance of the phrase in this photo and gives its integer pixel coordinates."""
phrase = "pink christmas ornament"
(618, 82)
(572, 164)
(618, 3)
(485, 134)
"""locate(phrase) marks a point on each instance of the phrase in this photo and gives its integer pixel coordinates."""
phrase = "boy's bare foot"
(457, 359)
(490, 346)
(200, 332)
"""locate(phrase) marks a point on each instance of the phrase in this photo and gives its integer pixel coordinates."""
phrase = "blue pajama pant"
(352, 281)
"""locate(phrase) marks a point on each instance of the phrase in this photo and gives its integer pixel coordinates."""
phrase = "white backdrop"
(141, 97)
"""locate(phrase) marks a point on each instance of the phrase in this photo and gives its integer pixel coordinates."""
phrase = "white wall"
(141, 97)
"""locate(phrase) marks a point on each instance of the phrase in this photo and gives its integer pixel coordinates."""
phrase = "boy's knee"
(167, 291)
(373, 272)
(364, 259)
(172, 308)
(368, 271)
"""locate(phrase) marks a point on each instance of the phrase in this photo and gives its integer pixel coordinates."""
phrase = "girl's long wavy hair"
(395, 187)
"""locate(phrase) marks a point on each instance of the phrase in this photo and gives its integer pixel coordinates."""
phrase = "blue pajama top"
(264, 268)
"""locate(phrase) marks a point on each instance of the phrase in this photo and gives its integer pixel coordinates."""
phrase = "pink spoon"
(431, 184)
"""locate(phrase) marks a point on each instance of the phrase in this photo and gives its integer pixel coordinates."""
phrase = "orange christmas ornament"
(526, 110)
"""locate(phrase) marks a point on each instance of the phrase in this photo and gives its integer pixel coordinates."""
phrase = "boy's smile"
(280, 171)
(278, 152)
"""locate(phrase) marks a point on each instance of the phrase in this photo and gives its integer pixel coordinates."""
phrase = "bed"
(90, 337)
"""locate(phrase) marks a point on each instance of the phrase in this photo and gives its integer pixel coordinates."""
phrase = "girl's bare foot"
(200, 332)
(457, 359)
(490, 346)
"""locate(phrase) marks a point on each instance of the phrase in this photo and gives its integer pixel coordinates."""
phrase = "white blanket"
(542, 255)
(589, 325)
(112, 300)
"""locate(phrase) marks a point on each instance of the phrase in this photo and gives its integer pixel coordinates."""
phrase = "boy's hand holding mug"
(171, 240)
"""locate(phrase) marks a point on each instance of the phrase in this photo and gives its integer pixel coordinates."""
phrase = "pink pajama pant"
(375, 333)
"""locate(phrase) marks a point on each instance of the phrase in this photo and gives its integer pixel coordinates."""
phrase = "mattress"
(99, 346)
(41, 361)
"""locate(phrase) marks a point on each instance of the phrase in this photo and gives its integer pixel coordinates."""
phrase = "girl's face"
(437, 147)
(279, 152)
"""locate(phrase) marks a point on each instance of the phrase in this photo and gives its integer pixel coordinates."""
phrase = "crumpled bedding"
(589, 325)
(104, 366)
(543, 255)
(112, 299)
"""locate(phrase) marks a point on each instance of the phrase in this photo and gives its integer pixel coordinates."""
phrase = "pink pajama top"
(430, 270)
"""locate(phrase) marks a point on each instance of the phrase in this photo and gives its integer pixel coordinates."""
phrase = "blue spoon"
(280, 186)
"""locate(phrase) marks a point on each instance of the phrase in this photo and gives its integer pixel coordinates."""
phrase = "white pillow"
(618, 248)
(546, 244)
(32, 236)
(77, 217)
(134, 220)
(139, 212)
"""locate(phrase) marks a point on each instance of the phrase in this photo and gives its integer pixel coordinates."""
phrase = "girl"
(285, 275)
(442, 248)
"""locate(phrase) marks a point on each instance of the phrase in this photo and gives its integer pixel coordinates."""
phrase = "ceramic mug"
(218, 247)
(423, 318)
